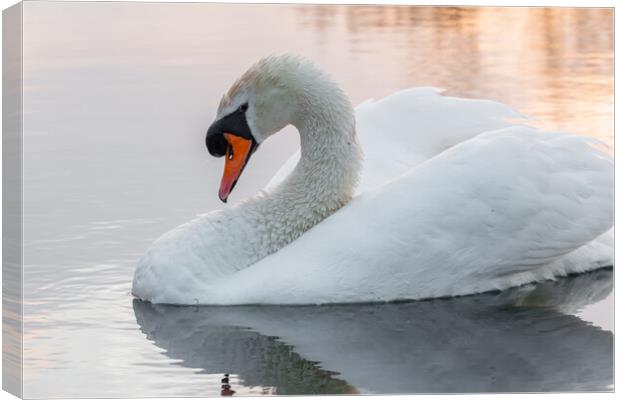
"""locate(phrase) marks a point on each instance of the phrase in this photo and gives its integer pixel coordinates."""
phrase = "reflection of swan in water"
(517, 340)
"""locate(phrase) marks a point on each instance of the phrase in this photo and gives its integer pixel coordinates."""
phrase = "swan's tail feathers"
(591, 256)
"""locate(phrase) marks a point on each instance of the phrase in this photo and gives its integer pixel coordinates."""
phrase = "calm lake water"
(117, 98)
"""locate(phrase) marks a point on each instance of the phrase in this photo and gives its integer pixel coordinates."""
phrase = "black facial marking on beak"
(235, 123)
(231, 136)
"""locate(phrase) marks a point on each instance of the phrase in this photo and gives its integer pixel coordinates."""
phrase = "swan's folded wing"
(507, 207)
(402, 130)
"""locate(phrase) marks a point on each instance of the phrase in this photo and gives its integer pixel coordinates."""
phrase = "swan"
(414, 196)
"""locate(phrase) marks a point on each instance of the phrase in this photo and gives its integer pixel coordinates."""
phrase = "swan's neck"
(330, 162)
(323, 181)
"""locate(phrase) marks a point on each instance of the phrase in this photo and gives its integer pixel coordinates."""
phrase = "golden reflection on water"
(554, 64)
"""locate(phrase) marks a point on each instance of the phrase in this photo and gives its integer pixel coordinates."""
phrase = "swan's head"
(272, 94)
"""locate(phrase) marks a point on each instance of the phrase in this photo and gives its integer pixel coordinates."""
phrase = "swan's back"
(400, 131)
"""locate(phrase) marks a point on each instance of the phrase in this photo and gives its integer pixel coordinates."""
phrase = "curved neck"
(330, 162)
(323, 181)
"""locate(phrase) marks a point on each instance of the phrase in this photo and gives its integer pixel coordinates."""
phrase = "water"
(117, 98)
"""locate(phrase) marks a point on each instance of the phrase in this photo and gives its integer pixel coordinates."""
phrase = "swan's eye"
(243, 107)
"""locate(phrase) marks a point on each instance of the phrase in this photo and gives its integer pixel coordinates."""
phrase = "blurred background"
(117, 100)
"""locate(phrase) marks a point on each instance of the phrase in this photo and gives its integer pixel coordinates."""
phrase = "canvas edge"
(12, 206)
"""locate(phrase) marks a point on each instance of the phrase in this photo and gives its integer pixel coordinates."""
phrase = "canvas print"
(206, 199)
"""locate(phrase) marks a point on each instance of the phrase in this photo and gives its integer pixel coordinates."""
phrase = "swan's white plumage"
(453, 200)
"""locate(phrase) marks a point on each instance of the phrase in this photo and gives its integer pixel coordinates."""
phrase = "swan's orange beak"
(238, 153)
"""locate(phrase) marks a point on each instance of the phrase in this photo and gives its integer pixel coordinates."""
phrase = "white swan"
(454, 200)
